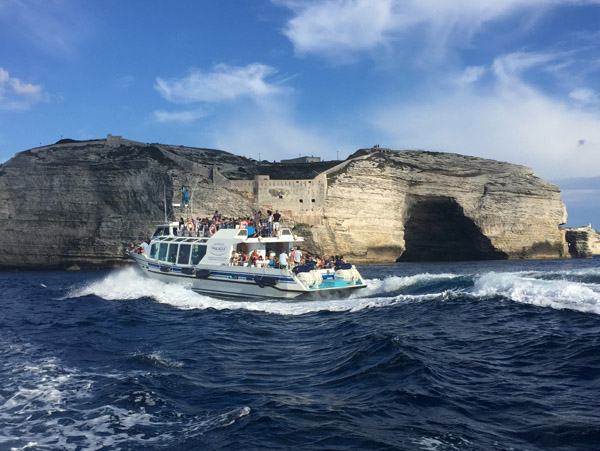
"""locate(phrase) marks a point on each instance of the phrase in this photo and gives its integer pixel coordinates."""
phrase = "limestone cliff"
(414, 205)
(80, 202)
(584, 242)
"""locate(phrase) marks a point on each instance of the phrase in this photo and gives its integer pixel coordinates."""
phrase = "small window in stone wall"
(280, 196)
(301, 201)
(313, 201)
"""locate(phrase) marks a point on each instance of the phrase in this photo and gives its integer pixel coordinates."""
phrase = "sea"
(500, 355)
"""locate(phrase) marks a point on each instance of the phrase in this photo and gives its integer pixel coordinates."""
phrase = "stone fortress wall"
(300, 200)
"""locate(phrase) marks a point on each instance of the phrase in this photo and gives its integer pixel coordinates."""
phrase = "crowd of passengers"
(263, 225)
(283, 260)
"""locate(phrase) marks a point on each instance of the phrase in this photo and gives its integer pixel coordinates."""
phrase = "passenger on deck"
(297, 257)
(283, 260)
(258, 219)
(142, 247)
(254, 257)
(270, 222)
(235, 258)
(276, 219)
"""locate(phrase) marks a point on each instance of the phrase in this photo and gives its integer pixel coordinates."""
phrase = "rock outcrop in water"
(584, 242)
(81, 202)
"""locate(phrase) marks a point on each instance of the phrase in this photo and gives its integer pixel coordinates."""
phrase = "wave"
(156, 359)
(526, 288)
(129, 284)
(563, 289)
(80, 408)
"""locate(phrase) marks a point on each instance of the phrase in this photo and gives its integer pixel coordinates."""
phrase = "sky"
(511, 80)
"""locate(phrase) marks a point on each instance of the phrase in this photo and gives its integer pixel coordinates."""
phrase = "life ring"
(279, 248)
(190, 227)
(212, 229)
(243, 224)
(243, 247)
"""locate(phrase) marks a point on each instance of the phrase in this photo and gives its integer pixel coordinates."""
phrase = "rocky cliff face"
(584, 242)
(414, 205)
(82, 202)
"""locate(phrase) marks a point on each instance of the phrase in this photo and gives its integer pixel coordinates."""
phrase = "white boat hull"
(238, 281)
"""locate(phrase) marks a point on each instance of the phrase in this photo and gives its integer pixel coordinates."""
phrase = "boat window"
(180, 239)
(198, 251)
(160, 231)
(286, 232)
(184, 254)
(172, 255)
(168, 239)
(153, 250)
(162, 252)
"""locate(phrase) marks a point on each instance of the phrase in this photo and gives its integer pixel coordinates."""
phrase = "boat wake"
(538, 289)
(577, 290)
(79, 407)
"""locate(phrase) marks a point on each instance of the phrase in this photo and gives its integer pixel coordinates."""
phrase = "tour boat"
(205, 264)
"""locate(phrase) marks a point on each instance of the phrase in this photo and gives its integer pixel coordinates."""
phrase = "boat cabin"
(169, 246)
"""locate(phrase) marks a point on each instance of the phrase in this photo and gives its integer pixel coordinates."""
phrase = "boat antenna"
(165, 201)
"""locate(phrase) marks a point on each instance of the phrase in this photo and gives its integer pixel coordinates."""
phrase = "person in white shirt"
(297, 257)
(142, 247)
(283, 260)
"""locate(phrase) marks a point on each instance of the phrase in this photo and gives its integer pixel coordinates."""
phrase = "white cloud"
(17, 95)
(471, 74)
(265, 125)
(341, 27)
(25, 89)
(223, 83)
(510, 121)
(354, 25)
(584, 95)
(178, 116)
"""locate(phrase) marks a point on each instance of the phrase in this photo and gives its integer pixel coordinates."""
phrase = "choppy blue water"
(465, 356)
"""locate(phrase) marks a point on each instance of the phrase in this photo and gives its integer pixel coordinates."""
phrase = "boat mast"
(165, 201)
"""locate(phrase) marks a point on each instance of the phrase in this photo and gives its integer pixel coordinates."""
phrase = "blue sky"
(512, 80)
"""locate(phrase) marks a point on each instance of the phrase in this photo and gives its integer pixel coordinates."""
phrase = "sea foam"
(527, 289)
(128, 284)
(559, 290)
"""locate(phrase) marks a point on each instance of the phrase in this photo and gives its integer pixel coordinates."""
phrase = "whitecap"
(557, 294)
(158, 359)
